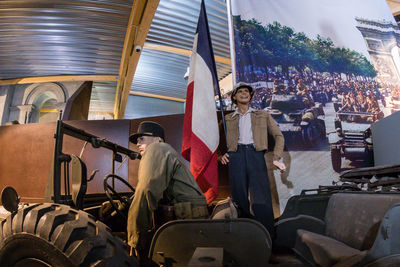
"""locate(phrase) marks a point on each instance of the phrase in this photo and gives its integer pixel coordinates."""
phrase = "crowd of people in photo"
(395, 93)
(351, 93)
(361, 104)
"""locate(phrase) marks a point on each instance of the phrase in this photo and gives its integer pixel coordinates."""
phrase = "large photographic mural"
(325, 70)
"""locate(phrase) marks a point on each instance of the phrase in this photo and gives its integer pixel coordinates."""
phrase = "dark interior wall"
(386, 138)
(77, 106)
(26, 154)
(116, 131)
(25, 157)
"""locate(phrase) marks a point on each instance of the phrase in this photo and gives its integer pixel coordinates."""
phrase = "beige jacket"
(262, 125)
(161, 176)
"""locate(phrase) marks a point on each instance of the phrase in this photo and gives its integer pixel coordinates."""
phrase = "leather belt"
(246, 145)
(199, 212)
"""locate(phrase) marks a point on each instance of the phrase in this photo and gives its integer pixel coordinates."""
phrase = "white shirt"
(245, 132)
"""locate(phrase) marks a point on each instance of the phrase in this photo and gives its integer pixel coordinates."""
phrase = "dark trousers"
(248, 179)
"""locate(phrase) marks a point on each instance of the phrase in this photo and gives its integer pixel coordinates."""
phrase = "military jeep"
(68, 230)
(298, 121)
(73, 228)
(354, 222)
(337, 102)
(352, 138)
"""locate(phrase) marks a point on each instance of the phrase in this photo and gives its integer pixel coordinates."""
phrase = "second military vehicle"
(352, 138)
(298, 119)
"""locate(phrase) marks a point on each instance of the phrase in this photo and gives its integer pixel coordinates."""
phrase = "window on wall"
(42, 102)
(48, 112)
(45, 109)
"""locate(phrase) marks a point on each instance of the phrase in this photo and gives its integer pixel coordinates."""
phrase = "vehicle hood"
(354, 127)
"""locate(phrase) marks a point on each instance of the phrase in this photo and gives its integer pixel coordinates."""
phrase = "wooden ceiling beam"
(140, 19)
(181, 51)
(61, 78)
(170, 98)
(394, 6)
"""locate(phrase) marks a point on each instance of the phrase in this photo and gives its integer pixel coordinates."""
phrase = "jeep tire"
(336, 158)
(311, 135)
(57, 235)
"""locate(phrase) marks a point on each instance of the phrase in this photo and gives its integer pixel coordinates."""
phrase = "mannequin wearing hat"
(302, 91)
(279, 89)
(162, 179)
(247, 142)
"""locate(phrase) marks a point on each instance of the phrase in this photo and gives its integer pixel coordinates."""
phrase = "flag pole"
(217, 89)
(231, 40)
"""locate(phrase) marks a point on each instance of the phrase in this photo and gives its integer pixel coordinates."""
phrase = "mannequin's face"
(242, 96)
(144, 141)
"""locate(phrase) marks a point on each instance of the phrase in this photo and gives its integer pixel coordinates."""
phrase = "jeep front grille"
(354, 139)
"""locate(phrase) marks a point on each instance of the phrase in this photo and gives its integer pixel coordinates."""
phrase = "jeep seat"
(245, 242)
(359, 228)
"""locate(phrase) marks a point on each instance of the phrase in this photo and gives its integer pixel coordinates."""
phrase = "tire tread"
(85, 241)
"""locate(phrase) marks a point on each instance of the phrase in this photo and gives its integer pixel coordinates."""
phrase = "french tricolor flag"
(200, 127)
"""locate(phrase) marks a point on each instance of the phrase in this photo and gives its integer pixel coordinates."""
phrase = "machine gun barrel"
(97, 141)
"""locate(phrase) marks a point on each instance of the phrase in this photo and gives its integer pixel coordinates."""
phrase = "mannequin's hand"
(224, 159)
(134, 252)
(280, 165)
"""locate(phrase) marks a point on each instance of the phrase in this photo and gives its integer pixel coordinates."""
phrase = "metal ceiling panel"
(174, 25)
(103, 96)
(86, 37)
(61, 37)
(161, 73)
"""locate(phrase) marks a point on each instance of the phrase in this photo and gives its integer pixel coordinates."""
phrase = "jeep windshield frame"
(60, 157)
(349, 116)
(287, 103)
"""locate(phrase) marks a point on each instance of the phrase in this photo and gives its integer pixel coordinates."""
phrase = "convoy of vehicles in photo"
(352, 138)
(297, 120)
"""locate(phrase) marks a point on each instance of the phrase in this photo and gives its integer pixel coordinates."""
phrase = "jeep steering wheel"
(112, 194)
